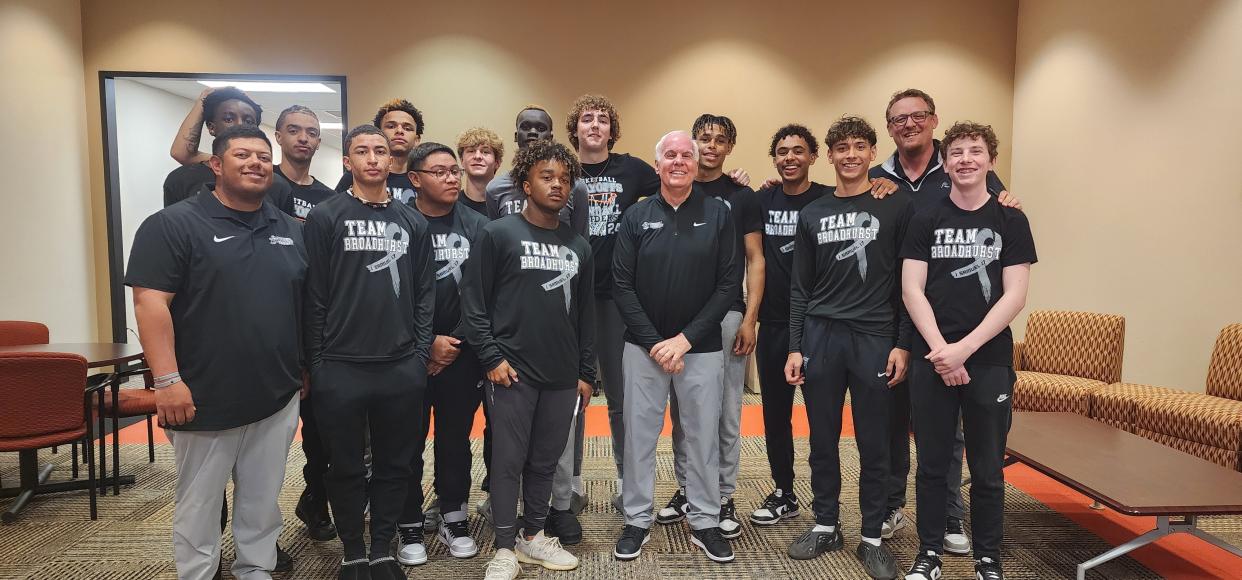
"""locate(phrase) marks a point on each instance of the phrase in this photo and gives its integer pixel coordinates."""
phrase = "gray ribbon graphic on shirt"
(569, 267)
(985, 240)
(395, 234)
(454, 242)
(859, 247)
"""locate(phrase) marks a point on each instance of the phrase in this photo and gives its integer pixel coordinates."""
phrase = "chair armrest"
(1017, 354)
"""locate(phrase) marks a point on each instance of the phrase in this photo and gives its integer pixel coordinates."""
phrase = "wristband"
(168, 380)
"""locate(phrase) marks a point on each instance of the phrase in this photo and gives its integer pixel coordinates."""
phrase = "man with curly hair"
(505, 197)
(217, 109)
(526, 309)
(965, 275)
(402, 124)
(481, 152)
(845, 331)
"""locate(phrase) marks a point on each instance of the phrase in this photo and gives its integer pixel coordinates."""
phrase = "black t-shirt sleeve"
(491, 201)
(280, 194)
(346, 181)
(171, 194)
(424, 295)
(648, 180)
(905, 325)
(1019, 243)
(625, 293)
(585, 288)
(749, 214)
(317, 235)
(581, 210)
(802, 280)
(728, 276)
(477, 287)
(918, 237)
(159, 257)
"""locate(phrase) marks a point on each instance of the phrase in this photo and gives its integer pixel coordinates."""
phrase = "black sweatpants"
(777, 395)
(837, 357)
(387, 397)
(986, 406)
(454, 394)
(312, 446)
(531, 427)
(899, 457)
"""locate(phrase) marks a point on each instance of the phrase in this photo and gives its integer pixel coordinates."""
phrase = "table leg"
(31, 477)
(1162, 529)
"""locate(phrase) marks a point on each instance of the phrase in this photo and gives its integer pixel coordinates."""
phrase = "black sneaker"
(313, 511)
(877, 560)
(779, 505)
(284, 562)
(812, 544)
(359, 569)
(676, 509)
(714, 545)
(633, 538)
(955, 539)
(988, 569)
(730, 527)
(387, 568)
(411, 545)
(563, 524)
(926, 567)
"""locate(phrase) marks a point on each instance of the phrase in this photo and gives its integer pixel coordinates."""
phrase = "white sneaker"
(504, 566)
(545, 551)
(410, 548)
(955, 539)
(456, 536)
(895, 521)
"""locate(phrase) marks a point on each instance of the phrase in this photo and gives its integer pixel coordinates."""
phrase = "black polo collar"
(214, 209)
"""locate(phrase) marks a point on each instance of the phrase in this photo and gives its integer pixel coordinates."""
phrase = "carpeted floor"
(55, 539)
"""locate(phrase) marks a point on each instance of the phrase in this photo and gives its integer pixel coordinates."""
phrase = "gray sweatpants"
(609, 344)
(648, 388)
(730, 413)
(529, 430)
(567, 466)
(254, 456)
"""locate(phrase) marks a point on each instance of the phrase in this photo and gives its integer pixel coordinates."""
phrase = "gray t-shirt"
(504, 198)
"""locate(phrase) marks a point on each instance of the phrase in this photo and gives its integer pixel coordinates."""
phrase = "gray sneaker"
(813, 544)
(955, 539)
(893, 523)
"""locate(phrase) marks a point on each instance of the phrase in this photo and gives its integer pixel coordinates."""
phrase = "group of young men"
(426, 284)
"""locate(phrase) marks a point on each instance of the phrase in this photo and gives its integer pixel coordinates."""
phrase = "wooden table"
(101, 354)
(1128, 473)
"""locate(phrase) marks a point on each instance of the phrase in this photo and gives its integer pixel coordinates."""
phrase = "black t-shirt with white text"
(237, 281)
(370, 291)
(780, 220)
(846, 267)
(966, 252)
(452, 236)
(743, 204)
(305, 197)
(399, 186)
(612, 187)
(527, 298)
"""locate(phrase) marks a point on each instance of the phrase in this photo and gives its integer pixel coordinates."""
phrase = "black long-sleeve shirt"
(527, 298)
(780, 220)
(676, 270)
(370, 289)
(452, 236)
(845, 265)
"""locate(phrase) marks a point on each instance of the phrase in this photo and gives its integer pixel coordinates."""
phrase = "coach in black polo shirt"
(217, 287)
(676, 274)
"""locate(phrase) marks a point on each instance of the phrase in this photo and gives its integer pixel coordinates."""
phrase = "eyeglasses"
(441, 174)
(918, 117)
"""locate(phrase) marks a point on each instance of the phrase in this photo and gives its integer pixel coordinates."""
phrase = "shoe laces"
(775, 500)
(503, 566)
(989, 569)
(953, 526)
(411, 534)
(710, 535)
(924, 564)
(546, 544)
(633, 533)
(727, 510)
(459, 529)
(892, 515)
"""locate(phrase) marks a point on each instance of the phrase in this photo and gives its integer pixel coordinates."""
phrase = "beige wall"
(1126, 124)
(47, 235)
(662, 64)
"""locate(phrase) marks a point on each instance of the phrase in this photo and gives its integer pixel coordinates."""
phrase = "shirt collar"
(212, 206)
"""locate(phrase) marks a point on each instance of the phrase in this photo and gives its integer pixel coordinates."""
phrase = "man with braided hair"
(526, 309)
(402, 124)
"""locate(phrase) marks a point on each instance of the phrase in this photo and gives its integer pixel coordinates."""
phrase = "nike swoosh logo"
(697, 224)
(219, 239)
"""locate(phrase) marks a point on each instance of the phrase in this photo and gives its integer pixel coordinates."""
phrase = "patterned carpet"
(54, 539)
